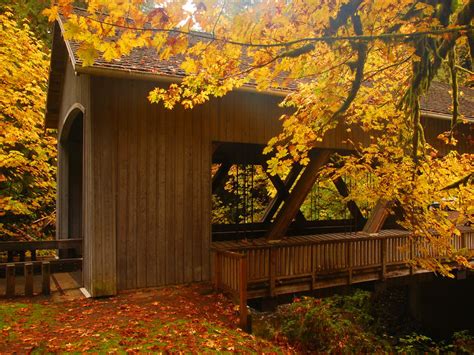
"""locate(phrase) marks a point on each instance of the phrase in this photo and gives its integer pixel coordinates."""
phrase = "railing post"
(45, 273)
(412, 252)
(10, 280)
(463, 241)
(313, 271)
(349, 256)
(384, 257)
(218, 270)
(28, 279)
(272, 271)
(243, 293)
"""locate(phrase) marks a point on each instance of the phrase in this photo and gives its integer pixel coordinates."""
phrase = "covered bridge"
(134, 179)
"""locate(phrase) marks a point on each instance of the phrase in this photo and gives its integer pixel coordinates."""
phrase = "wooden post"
(243, 294)
(383, 255)
(28, 279)
(272, 271)
(218, 270)
(463, 241)
(313, 271)
(411, 251)
(22, 255)
(45, 273)
(33, 255)
(10, 280)
(293, 203)
(9, 256)
(350, 251)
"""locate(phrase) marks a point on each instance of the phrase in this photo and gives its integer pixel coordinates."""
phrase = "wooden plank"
(180, 195)
(383, 258)
(205, 213)
(123, 155)
(28, 273)
(170, 171)
(377, 217)
(188, 213)
(272, 267)
(292, 205)
(243, 294)
(45, 274)
(143, 243)
(10, 280)
(41, 245)
(152, 191)
(159, 114)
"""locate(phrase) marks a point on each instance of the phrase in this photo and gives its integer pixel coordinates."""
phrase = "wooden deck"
(311, 262)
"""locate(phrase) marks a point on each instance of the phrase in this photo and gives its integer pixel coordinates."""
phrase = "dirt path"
(184, 318)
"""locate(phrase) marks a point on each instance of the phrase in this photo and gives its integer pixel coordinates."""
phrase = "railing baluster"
(10, 280)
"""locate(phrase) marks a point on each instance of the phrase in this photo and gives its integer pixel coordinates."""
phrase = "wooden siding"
(151, 188)
(160, 182)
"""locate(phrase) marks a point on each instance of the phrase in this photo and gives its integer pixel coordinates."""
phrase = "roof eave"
(159, 78)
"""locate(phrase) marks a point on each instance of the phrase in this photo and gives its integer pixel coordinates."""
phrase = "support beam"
(220, 175)
(283, 189)
(341, 187)
(377, 217)
(293, 203)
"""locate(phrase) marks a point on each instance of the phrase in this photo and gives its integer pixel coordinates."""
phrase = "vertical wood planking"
(179, 200)
(151, 194)
(197, 192)
(132, 235)
(161, 205)
(143, 163)
(188, 213)
(170, 171)
(206, 194)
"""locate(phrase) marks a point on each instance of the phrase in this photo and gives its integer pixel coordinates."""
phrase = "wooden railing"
(295, 266)
(46, 266)
(231, 277)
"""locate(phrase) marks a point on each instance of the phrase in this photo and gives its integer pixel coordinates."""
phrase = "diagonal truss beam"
(297, 196)
(283, 191)
(341, 187)
(377, 217)
(220, 175)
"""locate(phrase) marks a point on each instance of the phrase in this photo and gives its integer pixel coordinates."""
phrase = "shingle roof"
(146, 61)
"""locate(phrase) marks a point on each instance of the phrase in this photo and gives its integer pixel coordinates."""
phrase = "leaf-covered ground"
(184, 318)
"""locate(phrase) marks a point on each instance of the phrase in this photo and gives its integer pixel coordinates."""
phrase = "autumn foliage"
(27, 152)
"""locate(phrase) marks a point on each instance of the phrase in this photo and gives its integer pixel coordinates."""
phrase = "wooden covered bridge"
(141, 186)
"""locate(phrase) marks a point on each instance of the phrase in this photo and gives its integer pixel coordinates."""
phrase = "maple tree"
(27, 152)
(30, 10)
(348, 63)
